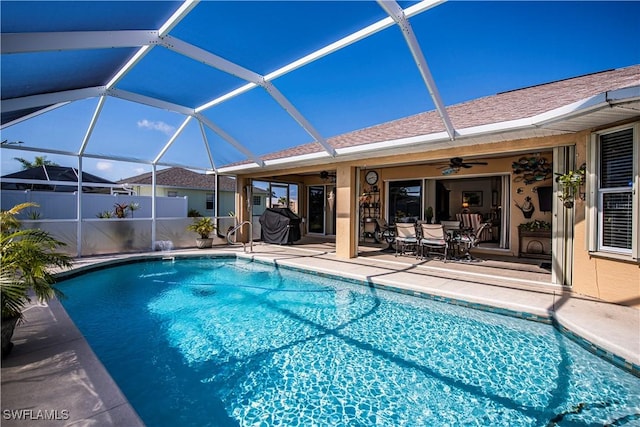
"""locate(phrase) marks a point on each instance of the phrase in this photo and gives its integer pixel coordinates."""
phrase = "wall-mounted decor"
(532, 169)
(526, 207)
(473, 198)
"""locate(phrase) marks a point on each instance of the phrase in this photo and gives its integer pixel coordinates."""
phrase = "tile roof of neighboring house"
(505, 106)
(182, 178)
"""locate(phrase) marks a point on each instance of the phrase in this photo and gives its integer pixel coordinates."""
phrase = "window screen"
(616, 220)
(616, 176)
(616, 159)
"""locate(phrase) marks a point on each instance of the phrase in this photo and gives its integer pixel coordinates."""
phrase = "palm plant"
(204, 227)
(26, 258)
(38, 161)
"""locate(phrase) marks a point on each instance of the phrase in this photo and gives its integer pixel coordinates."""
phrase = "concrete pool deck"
(52, 374)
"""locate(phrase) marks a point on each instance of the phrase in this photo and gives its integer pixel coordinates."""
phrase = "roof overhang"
(593, 112)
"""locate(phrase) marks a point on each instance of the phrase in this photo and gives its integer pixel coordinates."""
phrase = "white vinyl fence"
(65, 205)
(57, 214)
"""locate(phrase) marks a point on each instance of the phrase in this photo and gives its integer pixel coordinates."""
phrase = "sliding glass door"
(321, 213)
(405, 201)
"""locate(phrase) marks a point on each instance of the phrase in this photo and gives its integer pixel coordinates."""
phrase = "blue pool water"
(226, 342)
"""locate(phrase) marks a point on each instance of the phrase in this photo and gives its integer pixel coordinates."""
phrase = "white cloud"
(104, 166)
(159, 126)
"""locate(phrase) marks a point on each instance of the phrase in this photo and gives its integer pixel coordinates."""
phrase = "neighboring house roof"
(56, 173)
(510, 107)
(50, 176)
(182, 178)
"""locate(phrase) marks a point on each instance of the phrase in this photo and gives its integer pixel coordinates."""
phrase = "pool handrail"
(237, 227)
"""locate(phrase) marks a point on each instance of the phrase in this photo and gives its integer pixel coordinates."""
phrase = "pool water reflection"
(234, 342)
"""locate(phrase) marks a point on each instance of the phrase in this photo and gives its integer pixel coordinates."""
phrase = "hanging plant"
(570, 183)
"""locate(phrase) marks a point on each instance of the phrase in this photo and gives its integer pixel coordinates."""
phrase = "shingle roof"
(182, 178)
(56, 173)
(505, 106)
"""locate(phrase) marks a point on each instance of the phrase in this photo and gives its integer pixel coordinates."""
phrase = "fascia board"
(299, 158)
(395, 143)
(241, 168)
(292, 160)
(627, 94)
(577, 108)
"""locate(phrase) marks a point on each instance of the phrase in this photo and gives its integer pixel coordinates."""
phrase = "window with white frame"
(209, 201)
(616, 220)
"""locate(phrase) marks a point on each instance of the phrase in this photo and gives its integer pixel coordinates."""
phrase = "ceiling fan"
(455, 163)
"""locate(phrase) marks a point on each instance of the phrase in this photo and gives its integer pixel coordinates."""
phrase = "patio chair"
(406, 237)
(469, 240)
(433, 237)
(386, 233)
(370, 229)
(450, 226)
(472, 222)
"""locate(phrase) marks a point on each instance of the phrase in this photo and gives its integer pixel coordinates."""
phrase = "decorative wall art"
(526, 207)
(473, 198)
(532, 169)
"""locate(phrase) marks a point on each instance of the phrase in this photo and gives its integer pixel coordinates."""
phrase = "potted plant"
(570, 183)
(535, 225)
(204, 227)
(26, 256)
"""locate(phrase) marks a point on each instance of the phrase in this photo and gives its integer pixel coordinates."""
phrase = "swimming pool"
(233, 342)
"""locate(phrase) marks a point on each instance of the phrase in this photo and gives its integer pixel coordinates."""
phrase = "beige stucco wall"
(608, 278)
(603, 276)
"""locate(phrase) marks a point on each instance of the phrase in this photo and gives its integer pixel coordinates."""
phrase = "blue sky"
(473, 49)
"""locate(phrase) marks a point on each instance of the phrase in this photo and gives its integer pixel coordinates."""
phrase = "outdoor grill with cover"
(279, 225)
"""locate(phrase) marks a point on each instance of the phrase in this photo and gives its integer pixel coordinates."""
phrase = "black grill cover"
(279, 225)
